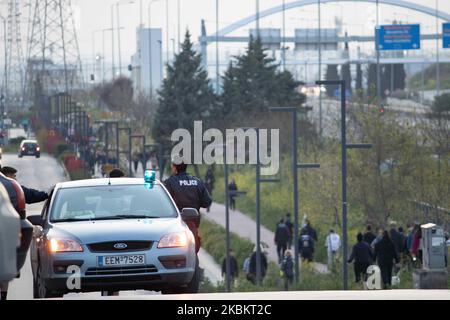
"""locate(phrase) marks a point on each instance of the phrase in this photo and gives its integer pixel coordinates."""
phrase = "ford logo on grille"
(120, 246)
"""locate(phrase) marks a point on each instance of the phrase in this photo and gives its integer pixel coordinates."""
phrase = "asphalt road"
(42, 174)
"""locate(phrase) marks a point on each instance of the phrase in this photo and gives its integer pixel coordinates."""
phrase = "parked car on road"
(121, 234)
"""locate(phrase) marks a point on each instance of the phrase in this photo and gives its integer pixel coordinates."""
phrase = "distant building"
(146, 63)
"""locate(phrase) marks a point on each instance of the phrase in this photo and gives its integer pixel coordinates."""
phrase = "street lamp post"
(128, 152)
(118, 3)
(143, 139)
(295, 167)
(217, 47)
(344, 148)
(319, 12)
(438, 71)
(112, 43)
(5, 84)
(167, 31)
(377, 40)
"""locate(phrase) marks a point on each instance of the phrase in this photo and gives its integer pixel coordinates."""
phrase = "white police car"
(116, 234)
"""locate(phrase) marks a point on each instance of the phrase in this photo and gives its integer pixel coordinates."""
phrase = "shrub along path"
(245, 227)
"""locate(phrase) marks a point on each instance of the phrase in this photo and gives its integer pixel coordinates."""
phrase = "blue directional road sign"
(446, 35)
(399, 37)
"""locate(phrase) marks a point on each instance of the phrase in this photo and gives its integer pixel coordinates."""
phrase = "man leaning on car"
(31, 196)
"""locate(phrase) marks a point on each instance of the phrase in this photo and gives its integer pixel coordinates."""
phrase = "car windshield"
(111, 202)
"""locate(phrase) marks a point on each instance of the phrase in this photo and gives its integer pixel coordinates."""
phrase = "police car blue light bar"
(150, 176)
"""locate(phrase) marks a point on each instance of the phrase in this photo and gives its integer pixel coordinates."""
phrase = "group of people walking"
(390, 250)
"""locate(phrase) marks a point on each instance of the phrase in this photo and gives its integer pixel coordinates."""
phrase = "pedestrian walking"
(378, 238)
(362, 254)
(252, 276)
(232, 192)
(234, 268)
(306, 246)
(332, 243)
(369, 236)
(311, 231)
(281, 239)
(385, 254)
(287, 268)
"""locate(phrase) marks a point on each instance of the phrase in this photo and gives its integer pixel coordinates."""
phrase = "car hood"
(88, 232)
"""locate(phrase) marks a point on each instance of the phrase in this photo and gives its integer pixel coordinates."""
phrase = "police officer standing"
(188, 192)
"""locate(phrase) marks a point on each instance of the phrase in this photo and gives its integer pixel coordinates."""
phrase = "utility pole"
(320, 67)
(377, 41)
(217, 48)
(438, 71)
(344, 148)
(112, 43)
(5, 77)
(295, 166)
(118, 38)
(179, 25)
(257, 19)
(167, 31)
(284, 36)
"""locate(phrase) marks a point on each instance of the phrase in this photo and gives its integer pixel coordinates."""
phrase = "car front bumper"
(66, 270)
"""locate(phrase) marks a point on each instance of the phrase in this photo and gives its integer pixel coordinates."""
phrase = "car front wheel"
(40, 290)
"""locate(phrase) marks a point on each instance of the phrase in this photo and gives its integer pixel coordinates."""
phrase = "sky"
(95, 15)
(357, 17)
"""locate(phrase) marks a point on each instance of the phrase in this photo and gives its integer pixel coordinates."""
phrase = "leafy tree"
(117, 95)
(186, 95)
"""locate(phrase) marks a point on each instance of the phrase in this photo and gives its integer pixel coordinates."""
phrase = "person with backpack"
(287, 268)
(252, 276)
(281, 239)
(306, 246)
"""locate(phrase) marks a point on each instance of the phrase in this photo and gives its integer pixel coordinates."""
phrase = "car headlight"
(173, 240)
(64, 245)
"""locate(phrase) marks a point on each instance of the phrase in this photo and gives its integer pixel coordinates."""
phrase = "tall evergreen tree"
(253, 84)
(372, 80)
(400, 76)
(186, 94)
(359, 80)
(331, 74)
(346, 75)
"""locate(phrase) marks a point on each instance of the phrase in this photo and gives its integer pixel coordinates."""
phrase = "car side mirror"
(190, 215)
(36, 220)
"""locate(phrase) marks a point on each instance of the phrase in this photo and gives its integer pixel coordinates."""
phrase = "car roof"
(29, 141)
(102, 182)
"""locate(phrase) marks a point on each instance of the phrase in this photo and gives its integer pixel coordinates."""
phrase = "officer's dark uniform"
(189, 192)
(34, 196)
